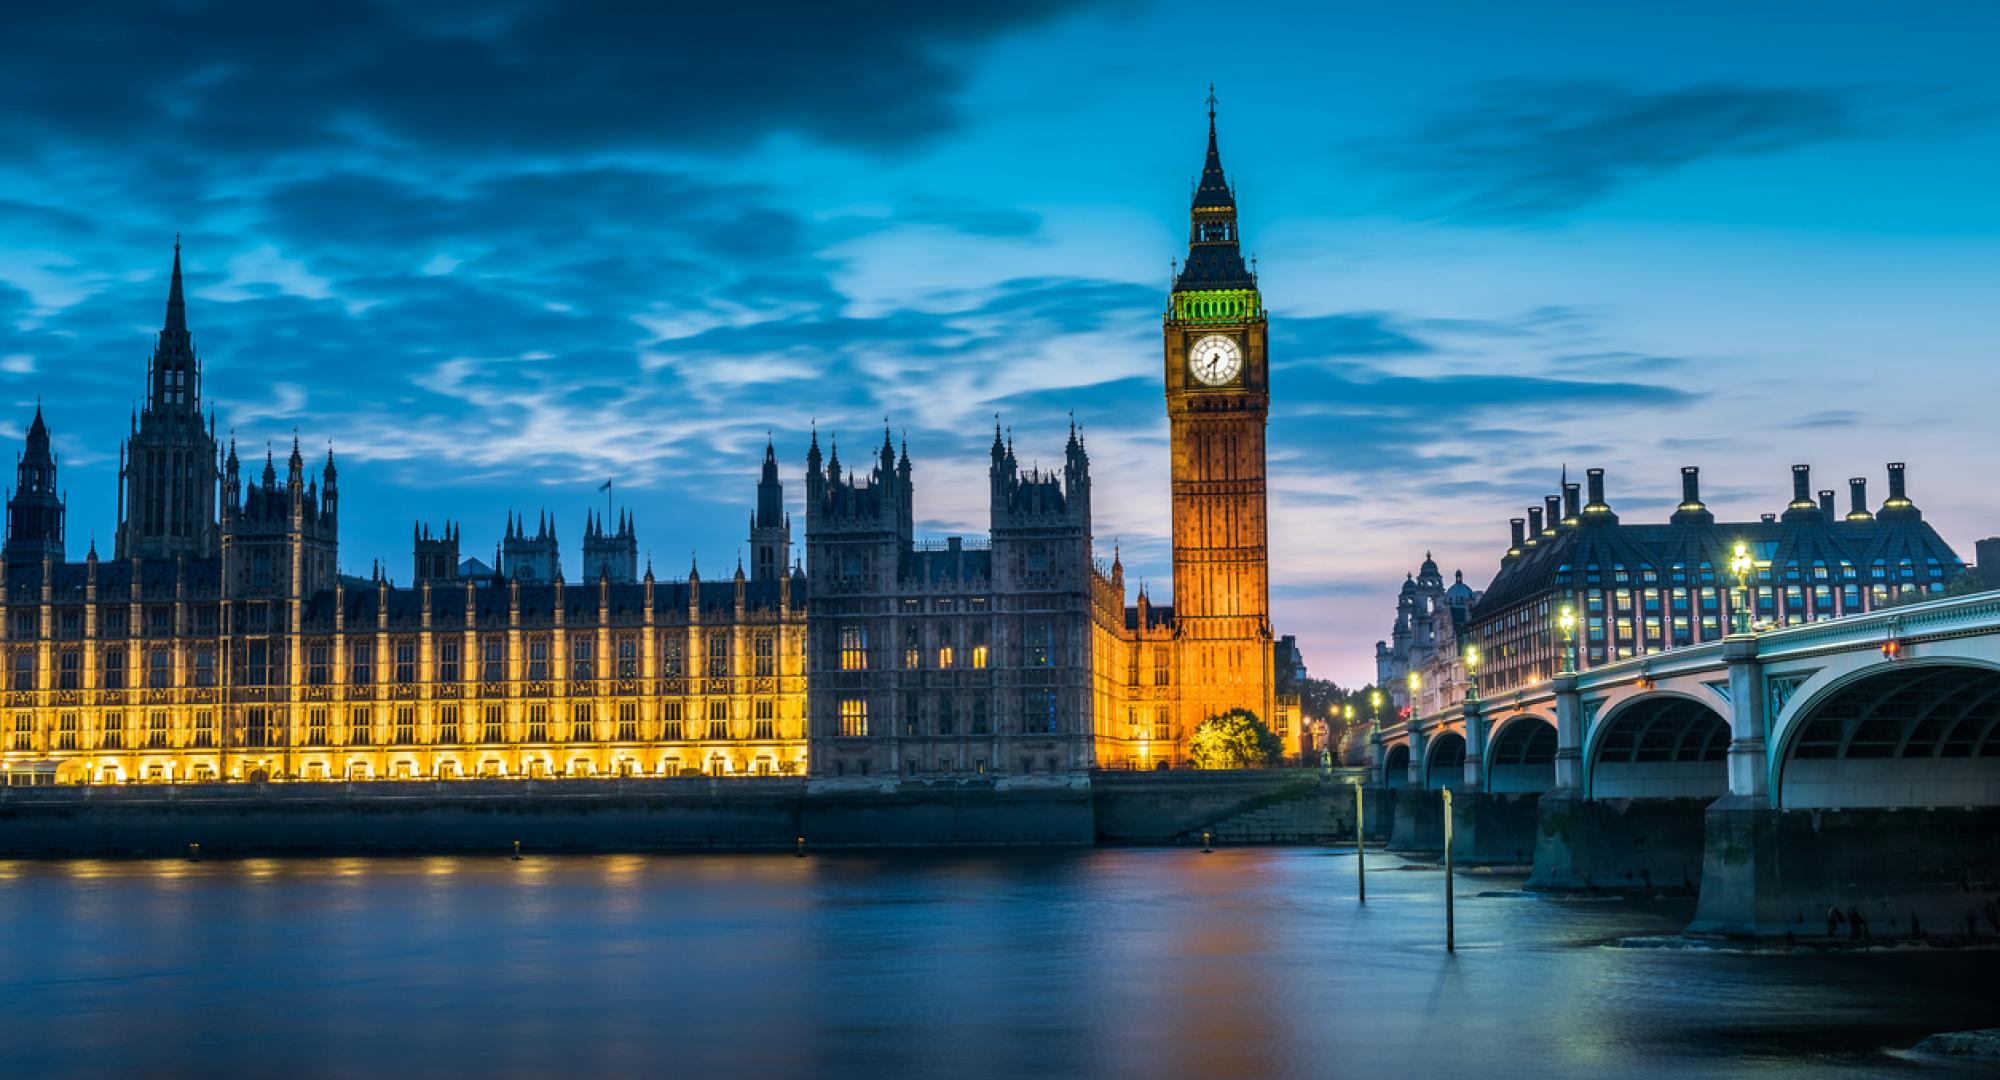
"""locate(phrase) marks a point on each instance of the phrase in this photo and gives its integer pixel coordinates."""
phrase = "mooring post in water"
(1449, 944)
(1360, 851)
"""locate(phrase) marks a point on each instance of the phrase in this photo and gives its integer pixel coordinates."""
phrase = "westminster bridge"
(1850, 763)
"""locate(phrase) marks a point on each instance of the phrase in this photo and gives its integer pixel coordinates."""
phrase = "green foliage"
(1234, 740)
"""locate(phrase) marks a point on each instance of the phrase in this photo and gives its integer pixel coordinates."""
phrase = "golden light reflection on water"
(623, 869)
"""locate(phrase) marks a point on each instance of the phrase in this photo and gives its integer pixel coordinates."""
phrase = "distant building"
(1637, 589)
(1432, 628)
(1986, 554)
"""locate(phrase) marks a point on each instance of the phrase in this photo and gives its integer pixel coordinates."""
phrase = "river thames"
(1141, 963)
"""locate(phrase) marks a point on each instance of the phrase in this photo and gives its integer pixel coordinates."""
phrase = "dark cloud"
(1531, 150)
(532, 75)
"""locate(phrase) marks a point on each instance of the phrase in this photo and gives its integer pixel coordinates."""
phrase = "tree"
(1234, 740)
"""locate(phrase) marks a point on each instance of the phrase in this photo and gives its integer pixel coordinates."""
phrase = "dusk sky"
(498, 254)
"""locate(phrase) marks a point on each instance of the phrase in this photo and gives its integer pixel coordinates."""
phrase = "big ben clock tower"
(1218, 397)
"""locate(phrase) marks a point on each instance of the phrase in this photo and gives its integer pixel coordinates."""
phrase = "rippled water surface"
(1148, 963)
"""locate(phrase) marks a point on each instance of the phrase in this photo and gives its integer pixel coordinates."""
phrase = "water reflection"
(1119, 963)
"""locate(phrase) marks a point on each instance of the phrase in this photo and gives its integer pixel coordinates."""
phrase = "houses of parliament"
(219, 639)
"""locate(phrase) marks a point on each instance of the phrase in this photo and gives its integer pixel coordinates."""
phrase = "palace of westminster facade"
(221, 642)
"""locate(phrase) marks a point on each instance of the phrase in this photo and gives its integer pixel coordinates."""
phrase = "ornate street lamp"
(1472, 672)
(1567, 621)
(1740, 565)
(1375, 703)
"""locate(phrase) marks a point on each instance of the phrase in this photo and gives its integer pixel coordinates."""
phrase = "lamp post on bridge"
(1472, 673)
(1567, 621)
(1741, 565)
(1569, 720)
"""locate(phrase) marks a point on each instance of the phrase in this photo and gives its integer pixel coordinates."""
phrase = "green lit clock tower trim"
(1218, 400)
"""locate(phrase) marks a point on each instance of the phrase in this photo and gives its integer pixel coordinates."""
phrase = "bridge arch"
(1521, 754)
(1396, 766)
(1895, 733)
(1444, 764)
(1659, 745)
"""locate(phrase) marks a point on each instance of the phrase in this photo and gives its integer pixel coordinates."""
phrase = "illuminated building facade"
(1637, 589)
(228, 646)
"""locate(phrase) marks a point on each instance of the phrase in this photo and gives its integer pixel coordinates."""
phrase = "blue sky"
(499, 253)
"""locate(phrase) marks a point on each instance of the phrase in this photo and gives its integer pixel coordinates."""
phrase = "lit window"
(854, 717)
(853, 648)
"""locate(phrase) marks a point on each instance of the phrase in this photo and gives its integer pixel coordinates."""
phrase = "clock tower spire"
(1218, 400)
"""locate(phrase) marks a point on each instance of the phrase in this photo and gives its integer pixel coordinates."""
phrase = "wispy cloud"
(1536, 150)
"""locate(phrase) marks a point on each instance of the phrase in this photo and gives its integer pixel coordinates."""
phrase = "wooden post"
(1449, 944)
(1360, 849)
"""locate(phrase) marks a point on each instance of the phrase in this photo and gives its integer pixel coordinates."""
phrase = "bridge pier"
(1637, 845)
(1487, 829)
(1418, 827)
(1766, 872)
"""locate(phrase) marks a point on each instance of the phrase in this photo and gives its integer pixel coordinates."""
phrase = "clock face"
(1215, 359)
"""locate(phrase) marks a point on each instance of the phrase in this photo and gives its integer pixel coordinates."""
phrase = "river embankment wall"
(1267, 805)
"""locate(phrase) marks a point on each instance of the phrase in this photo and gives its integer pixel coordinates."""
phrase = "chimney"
(1802, 507)
(1691, 510)
(1857, 499)
(1826, 503)
(1514, 526)
(1552, 510)
(1898, 506)
(1597, 510)
(1534, 525)
(1571, 502)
